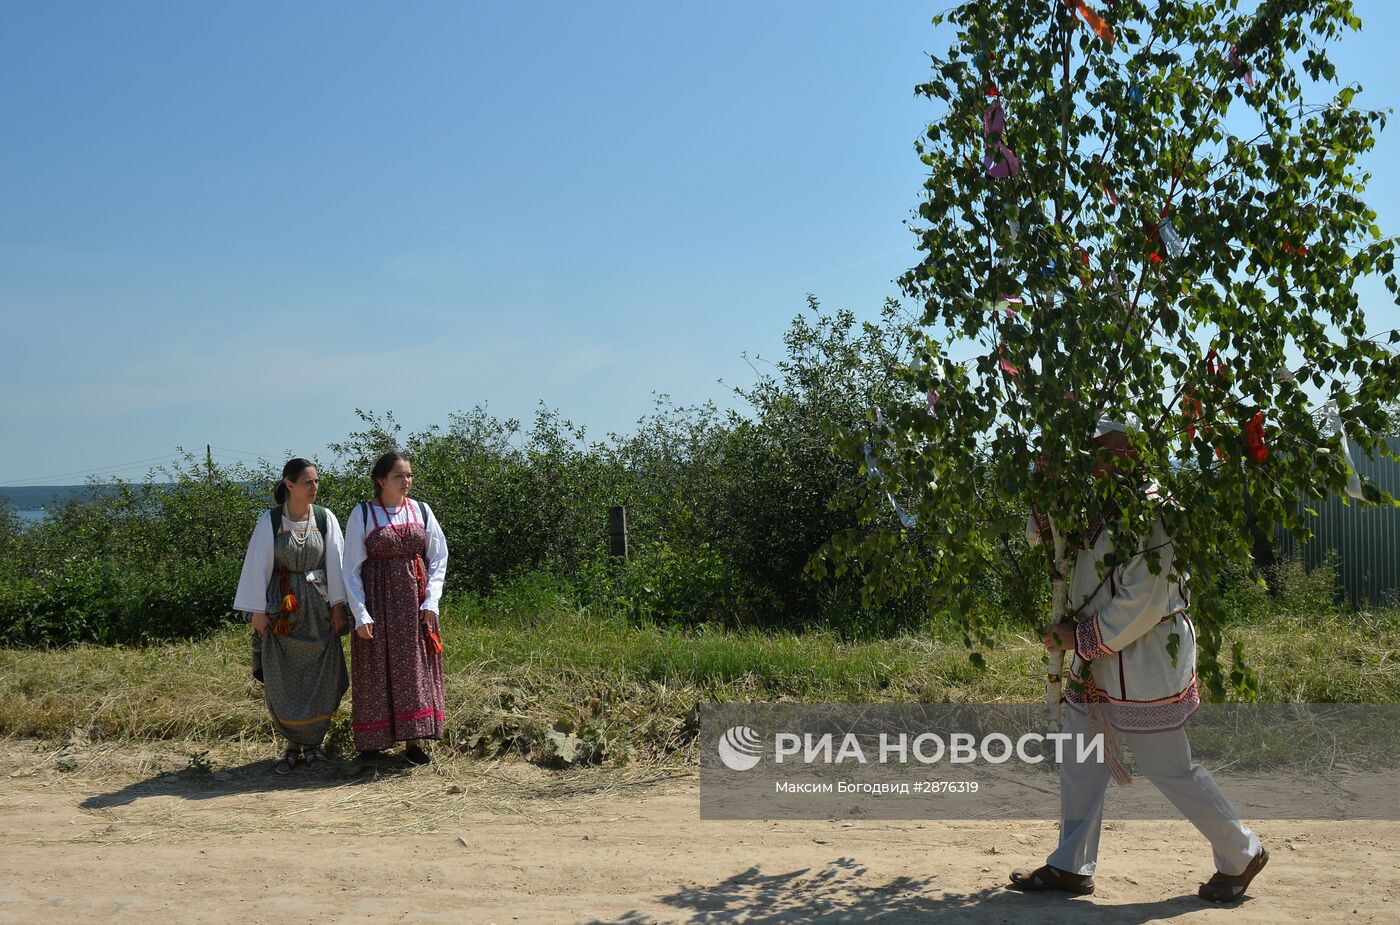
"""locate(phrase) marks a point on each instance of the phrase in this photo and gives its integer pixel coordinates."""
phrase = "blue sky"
(236, 224)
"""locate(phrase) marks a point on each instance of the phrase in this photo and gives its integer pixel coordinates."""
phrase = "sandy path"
(472, 842)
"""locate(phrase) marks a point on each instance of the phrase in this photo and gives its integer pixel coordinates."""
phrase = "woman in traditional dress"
(293, 587)
(395, 561)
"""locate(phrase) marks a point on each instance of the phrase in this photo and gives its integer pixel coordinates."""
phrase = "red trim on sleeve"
(1088, 640)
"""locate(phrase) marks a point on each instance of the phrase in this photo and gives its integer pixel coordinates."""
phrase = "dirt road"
(95, 833)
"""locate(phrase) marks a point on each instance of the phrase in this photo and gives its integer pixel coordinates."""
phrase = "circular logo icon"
(740, 748)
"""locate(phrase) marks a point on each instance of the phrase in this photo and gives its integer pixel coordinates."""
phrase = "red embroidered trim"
(425, 713)
(1088, 640)
(1191, 690)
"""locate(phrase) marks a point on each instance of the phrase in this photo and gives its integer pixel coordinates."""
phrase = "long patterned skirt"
(397, 693)
(304, 675)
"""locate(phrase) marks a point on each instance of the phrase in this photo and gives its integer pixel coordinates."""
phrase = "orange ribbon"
(1094, 20)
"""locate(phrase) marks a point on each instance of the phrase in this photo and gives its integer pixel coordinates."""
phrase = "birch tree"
(1131, 208)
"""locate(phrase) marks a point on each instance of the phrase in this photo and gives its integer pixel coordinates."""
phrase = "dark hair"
(383, 466)
(290, 473)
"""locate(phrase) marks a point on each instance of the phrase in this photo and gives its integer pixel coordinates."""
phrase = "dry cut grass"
(567, 689)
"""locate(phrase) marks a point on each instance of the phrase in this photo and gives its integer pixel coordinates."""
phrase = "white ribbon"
(872, 468)
(1334, 418)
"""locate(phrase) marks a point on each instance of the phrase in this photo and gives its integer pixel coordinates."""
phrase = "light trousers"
(1165, 759)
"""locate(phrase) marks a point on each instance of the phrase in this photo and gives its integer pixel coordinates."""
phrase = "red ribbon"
(1254, 437)
(1007, 366)
(1192, 408)
(420, 572)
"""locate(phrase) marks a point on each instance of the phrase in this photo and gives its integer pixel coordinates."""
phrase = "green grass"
(529, 673)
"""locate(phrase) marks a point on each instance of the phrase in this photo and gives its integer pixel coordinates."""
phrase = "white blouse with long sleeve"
(361, 522)
(258, 563)
(1135, 638)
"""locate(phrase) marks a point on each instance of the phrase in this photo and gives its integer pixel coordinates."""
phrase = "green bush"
(726, 511)
(97, 602)
(78, 602)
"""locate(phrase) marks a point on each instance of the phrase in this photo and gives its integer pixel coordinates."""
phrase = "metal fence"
(1366, 539)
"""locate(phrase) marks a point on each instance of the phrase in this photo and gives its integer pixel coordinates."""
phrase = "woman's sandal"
(1229, 888)
(315, 759)
(288, 761)
(1046, 877)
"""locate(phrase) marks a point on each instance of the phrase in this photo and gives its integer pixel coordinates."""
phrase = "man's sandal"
(288, 761)
(1229, 888)
(1046, 877)
(315, 759)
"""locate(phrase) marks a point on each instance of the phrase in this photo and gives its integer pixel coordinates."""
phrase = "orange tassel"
(434, 640)
(280, 628)
(290, 604)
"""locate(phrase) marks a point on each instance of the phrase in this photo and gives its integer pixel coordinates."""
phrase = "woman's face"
(399, 480)
(303, 490)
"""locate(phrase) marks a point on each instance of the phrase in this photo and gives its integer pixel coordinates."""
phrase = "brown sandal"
(291, 757)
(1229, 888)
(1046, 877)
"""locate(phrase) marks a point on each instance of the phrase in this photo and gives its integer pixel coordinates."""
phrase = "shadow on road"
(837, 894)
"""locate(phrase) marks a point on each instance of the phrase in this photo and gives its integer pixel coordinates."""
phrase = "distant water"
(31, 517)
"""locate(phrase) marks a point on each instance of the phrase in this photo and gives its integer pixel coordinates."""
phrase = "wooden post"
(617, 530)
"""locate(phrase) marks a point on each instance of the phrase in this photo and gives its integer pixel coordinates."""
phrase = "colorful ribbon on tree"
(1093, 19)
(1001, 163)
(1334, 419)
(1192, 409)
(1172, 241)
(1239, 64)
(872, 469)
(1254, 437)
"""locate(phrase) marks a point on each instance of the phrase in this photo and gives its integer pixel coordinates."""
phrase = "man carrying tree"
(1133, 672)
(1130, 206)
(1138, 207)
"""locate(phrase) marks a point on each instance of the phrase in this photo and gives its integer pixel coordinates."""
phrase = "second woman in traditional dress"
(395, 561)
(293, 587)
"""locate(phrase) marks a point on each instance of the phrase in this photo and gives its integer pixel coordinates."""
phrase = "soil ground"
(96, 832)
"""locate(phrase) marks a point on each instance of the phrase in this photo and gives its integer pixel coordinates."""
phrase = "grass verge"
(546, 681)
